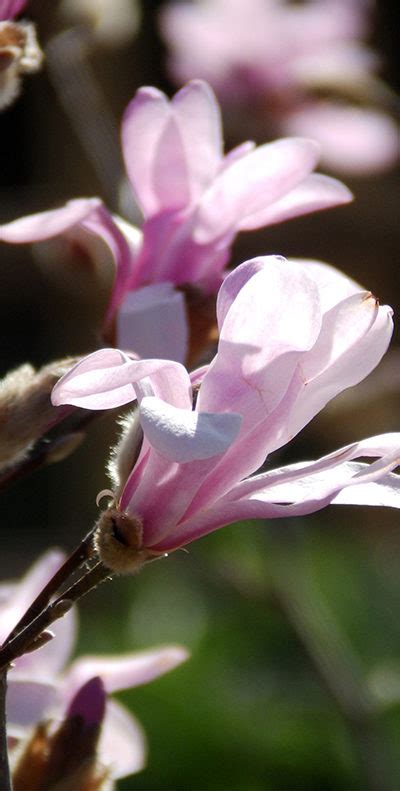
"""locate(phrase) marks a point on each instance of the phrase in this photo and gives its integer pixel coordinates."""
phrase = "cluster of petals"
(194, 201)
(293, 334)
(41, 685)
(281, 54)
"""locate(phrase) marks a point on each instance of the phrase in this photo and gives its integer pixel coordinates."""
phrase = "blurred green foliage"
(294, 679)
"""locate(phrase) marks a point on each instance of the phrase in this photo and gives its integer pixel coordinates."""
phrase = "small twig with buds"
(79, 556)
(30, 636)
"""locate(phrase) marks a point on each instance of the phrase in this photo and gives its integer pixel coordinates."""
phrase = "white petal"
(183, 435)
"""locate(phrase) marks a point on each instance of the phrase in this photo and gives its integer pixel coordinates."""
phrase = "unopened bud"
(119, 541)
(126, 453)
(26, 412)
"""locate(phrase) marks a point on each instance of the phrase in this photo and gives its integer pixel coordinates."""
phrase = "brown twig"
(24, 639)
(5, 779)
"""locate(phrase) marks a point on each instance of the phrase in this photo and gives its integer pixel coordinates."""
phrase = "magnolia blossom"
(293, 334)
(194, 201)
(42, 685)
(277, 57)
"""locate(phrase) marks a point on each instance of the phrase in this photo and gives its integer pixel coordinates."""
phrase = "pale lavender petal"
(184, 435)
(251, 183)
(236, 280)
(9, 9)
(260, 343)
(384, 492)
(26, 590)
(122, 744)
(172, 150)
(152, 322)
(101, 223)
(199, 121)
(333, 285)
(45, 225)
(143, 123)
(354, 140)
(358, 350)
(29, 701)
(314, 193)
(108, 378)
(124, 671)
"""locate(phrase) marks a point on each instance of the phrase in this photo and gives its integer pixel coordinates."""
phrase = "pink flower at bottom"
(293, 334)
(41, 685)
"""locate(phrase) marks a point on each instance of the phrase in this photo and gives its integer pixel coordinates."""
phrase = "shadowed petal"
(152, 322)
(183, 435)
(122, 744)
(45, 225)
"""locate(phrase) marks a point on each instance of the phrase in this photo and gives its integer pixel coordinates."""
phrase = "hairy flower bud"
(19, 54)
(26, 412)
(119, 541)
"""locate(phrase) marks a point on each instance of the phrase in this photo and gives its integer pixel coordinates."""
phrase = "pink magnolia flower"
(42, 685)
(194, 201)
(293, 334)
(275, 56)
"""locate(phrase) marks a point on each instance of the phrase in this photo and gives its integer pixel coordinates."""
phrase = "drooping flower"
(42, 686)
(293, 334)
(279, 59)
(194, 201)
(19, 50)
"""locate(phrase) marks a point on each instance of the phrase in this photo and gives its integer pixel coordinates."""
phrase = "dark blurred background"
(294, 681)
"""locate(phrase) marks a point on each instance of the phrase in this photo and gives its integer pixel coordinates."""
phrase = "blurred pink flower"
(41, 686)
(274, 57)
(9, 9)
(194, 201)
(293, 334)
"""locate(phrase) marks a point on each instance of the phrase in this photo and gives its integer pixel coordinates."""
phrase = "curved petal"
(276, 316)
(251, 183)
(124, 671)
(172, 149)
(45, 225)
(122, 744)
(184, 435)
(152, 322)
(29, 701)
(107, 377)
(9, 9)
(354, 140)
(314, 193)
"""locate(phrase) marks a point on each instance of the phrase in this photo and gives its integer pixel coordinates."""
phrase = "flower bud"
(119, 541)
(19, 54)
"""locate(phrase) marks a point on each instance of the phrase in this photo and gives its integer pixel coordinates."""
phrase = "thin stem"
(26, 638)
(72, 563)
(5, 779)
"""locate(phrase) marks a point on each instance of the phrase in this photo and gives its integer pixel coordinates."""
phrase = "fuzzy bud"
(119, 542)
(19, 54)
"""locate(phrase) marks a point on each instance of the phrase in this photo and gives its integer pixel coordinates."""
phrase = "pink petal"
(152, 322)
(124, 672)
(171, 150)
(45, 225)
(122, 745)
(29, 701)
(251, 183)
(260, 345)
(184, 435)
(108, 378)
(316, 192)
(9, 9)
(361, 341)
(353, 139)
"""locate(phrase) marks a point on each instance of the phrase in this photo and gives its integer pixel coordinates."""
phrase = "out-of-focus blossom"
(276, 58)
(41, 685)
(19, 50)
(112, 24)
(194, 201)
(292, 336)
